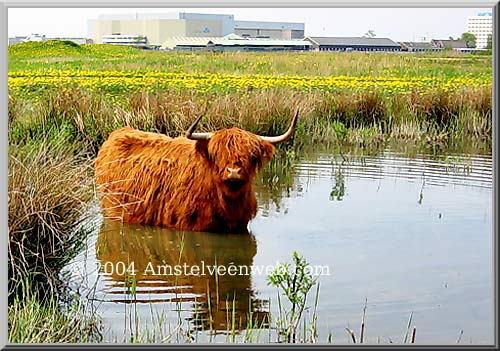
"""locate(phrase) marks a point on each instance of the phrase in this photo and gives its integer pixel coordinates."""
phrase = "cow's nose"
(234, 173)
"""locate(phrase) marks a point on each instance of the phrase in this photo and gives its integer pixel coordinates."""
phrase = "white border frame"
(5, 4)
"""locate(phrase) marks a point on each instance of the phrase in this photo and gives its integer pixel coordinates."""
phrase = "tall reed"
(344, 117)
(49, 191)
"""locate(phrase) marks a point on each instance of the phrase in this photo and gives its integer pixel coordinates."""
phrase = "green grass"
(67, 55)
(352, 115)
(33, 321)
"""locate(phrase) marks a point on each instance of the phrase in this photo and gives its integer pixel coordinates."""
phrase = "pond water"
(405, 232)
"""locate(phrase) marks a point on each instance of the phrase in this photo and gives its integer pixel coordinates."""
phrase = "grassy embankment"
(65, 99)
(344, 98)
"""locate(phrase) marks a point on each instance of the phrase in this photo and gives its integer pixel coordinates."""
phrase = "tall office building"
(481, 26)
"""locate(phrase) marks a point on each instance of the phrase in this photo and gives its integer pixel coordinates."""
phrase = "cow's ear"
(267, 151)
(202, 147)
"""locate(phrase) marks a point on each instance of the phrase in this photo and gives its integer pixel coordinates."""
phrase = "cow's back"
(131, 168)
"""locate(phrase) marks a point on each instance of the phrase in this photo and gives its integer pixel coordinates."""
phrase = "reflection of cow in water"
(201, 182)
(152, 247)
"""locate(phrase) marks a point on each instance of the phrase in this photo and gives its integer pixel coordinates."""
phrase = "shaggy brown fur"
(179, 183)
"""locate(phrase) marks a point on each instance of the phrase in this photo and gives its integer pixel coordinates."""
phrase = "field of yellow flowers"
(35, 67)
(443, 93)
(115, 83)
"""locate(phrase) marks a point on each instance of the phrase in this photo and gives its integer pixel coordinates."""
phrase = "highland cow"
(197, 182)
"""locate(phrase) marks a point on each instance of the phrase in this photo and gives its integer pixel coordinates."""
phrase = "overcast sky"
(411, 24)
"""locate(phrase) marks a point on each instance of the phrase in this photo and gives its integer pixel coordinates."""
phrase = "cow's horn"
(286, 135)
(197, 136)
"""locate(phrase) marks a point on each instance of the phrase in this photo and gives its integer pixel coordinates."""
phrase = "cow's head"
(234, 155)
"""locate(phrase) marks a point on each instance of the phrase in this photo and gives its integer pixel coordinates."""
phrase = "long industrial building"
(353, 44)
(234, 42)
(157, 28)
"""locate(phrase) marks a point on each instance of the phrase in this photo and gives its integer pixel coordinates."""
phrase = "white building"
(34, 37)
(157, 28)
(481, 26)
(39, 37)
(124, 39)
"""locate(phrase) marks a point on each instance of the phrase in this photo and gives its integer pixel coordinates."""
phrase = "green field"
(93, 89)
(68, 56)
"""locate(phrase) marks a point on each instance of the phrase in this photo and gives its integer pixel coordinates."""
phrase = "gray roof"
(452, 43)
(417, 45)
(259, 42)
(231, 40)
(352, 41)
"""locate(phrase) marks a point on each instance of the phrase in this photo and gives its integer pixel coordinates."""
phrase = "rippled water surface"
(404, 233)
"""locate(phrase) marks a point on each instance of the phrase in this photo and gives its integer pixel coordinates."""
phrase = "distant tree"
(489, 41)
(469, 39)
